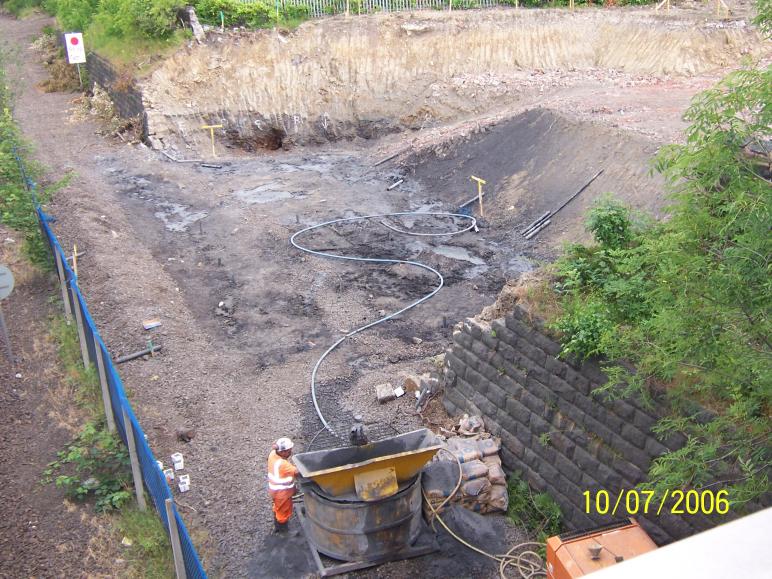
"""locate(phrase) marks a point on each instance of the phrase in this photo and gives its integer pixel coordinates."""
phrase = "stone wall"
(555, 433)
(126, 98)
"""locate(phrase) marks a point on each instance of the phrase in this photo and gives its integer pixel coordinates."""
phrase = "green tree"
(688, 300)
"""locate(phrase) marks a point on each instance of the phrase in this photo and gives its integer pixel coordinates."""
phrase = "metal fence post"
(79, 323)
(106, 401)
(63, 280)
(174, 536)
(136, 472)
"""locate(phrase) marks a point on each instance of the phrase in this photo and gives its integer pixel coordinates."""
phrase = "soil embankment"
(369, 76)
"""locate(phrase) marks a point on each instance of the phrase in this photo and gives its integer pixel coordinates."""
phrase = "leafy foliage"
(75, 14)
(99, 467)
(586, 326)
(610, 223)
(687, 300)
(536, 512)
(254, 14)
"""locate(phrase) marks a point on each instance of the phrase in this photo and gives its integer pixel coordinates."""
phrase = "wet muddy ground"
(222, 236)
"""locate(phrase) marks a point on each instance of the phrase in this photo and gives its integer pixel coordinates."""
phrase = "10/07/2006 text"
(639, 502)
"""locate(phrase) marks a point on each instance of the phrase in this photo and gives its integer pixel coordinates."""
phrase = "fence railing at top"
(118, 410)
(318, 8)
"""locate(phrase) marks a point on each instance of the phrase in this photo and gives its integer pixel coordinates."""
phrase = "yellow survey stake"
(211, 135)
(480, 183)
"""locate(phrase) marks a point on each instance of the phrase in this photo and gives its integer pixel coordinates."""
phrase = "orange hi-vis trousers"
(282, 504)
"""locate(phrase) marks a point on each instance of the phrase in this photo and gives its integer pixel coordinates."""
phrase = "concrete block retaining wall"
(555, 434)
(128, 101)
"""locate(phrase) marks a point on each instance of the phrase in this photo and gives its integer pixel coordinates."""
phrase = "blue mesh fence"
(152, 476)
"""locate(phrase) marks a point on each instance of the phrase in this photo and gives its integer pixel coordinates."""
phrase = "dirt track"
(175, 240)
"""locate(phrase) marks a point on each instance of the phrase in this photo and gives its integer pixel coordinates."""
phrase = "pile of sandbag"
(483, 486)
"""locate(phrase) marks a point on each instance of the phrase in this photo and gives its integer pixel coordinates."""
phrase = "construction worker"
(281, 482)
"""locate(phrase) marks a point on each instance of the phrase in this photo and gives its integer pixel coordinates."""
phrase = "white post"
(136, 472)
(105, 386)
(174, 536)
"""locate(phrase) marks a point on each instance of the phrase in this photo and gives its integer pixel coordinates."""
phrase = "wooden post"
(174, 535)
(63, 283)
(106, 401)
(75, 259)
(480, 183)
(211, 135)
(136, 472)
(6, 338)
(79, 323)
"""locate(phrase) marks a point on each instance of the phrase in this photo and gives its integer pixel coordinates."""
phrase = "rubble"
(384, 393)
(482, 487)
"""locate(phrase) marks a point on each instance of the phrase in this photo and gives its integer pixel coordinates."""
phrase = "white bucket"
(184, 483)
(160, 465)
(169, 474)
(178, 461)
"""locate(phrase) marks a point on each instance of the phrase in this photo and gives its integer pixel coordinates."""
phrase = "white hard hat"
(284, 444)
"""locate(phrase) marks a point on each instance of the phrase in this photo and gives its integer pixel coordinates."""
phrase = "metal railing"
(318, 8)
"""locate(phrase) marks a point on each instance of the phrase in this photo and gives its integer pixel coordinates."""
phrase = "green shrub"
(586, 327)
(256, 14)
(687, 301)
(155, 18)
(75, 15)
(115, 18)
(98, 465)
(302, 12)
(609, 221)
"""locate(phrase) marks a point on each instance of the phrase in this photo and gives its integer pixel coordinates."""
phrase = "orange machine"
(579, 553)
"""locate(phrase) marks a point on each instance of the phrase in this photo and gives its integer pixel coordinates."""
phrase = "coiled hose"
(528, 563)
(293, 240)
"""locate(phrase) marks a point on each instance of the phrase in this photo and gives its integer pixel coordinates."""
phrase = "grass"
(21, 8)
(84, 381)
(150, 554)
(537, 512)
(138, 54)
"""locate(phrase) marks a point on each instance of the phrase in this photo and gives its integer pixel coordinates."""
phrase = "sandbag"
(439, 479)
(464, 450)
(496, 474)
(493, 459)
(498, 499)
(476, 488)
(489, 446)
(474, 469)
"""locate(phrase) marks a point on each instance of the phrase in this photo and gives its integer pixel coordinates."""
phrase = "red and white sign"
(76, 51)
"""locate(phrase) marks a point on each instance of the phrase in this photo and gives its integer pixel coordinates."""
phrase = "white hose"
(293, 241)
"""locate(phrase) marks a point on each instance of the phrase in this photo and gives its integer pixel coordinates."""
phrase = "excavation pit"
(366, 77)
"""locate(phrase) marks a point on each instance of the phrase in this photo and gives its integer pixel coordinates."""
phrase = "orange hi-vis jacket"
(281, 473)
